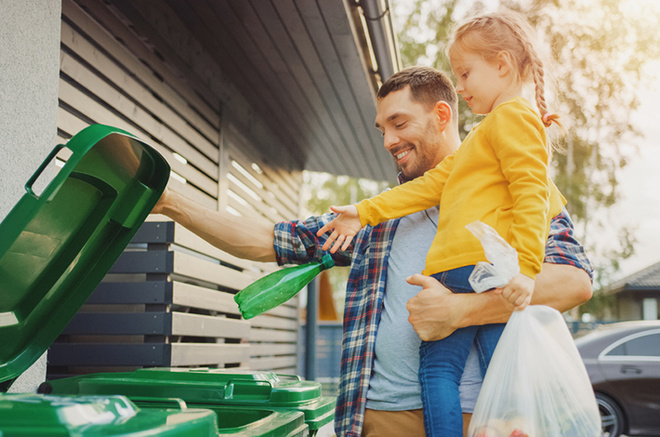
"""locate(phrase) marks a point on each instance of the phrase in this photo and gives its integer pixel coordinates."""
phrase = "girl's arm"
(417, 195)
(523, 156)
(413, 196)
(518, 139)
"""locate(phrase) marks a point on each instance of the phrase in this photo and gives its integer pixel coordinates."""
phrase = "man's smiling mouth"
(400, 155)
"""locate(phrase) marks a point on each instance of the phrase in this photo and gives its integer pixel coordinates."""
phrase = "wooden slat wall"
(111, 74)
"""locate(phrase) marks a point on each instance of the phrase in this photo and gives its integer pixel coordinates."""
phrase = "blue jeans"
(441, 364)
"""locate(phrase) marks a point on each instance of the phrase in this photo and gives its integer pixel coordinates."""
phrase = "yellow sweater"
(499, 175)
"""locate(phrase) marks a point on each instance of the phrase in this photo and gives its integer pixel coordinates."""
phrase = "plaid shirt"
(296, 242)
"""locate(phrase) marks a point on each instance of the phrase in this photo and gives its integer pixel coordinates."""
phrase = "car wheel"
(611, 416)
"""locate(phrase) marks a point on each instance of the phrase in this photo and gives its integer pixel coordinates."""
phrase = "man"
(379, 394)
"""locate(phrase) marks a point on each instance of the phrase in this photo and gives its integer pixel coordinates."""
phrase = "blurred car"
(623, 363)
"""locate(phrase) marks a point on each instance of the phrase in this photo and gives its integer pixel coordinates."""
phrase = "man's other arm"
(436, 312)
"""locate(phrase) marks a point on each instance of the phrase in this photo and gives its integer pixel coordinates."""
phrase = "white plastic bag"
(503, 259)
(536, 384)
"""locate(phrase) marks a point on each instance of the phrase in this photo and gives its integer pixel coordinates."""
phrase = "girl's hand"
(343, 227)
(518, 291)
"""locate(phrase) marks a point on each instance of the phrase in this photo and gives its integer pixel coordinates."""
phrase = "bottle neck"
(327, 262)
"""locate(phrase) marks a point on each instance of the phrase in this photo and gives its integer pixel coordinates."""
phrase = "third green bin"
(209, 388)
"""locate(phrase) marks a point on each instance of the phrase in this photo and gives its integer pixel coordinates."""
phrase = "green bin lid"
(29, 415)
(242, 421)
(57, 245)
(204, 387)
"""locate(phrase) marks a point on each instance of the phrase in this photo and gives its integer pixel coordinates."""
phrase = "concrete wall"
(29, 71)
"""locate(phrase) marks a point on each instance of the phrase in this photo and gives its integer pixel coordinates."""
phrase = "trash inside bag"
(503, 259)
(536, 384)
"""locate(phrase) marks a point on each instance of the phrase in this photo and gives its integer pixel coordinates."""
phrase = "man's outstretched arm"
(436, 312)
(245, 237)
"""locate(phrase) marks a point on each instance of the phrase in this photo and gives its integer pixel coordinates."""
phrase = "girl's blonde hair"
(491, 34)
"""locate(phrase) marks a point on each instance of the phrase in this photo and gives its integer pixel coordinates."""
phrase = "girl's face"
(483, 84)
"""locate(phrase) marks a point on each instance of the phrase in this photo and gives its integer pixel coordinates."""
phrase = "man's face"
(411, 133)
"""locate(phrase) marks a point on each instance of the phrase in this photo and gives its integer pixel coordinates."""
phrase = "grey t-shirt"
(394, 385)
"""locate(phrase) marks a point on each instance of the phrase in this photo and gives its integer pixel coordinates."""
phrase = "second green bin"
(209, 388)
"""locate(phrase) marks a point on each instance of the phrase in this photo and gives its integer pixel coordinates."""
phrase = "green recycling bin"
(209, 388)
(29, 415)
(55, 247)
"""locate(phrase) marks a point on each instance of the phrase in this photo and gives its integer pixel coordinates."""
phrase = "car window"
(645, 346)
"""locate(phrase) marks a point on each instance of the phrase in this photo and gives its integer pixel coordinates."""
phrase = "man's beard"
(425, 153)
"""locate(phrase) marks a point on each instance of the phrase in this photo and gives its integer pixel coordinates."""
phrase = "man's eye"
(400, 125)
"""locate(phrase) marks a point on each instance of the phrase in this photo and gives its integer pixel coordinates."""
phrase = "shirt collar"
(402, 178)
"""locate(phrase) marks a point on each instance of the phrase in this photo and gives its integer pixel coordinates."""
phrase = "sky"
(640, 181)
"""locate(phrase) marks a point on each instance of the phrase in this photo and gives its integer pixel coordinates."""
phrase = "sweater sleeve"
(518, 138)
(417, 195)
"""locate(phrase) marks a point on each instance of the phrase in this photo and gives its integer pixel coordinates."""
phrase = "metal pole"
(311, 329)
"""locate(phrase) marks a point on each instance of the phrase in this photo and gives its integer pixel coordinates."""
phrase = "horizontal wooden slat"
(264, 349)
(138, 91)
(82, 354)
(136, 56)
(75, 98)
(157, 323)
(266, 321)
(198, 297)
(164, 262)
(150, 292)
(138, 116)
(257, 334)
(285, 364)
(208, 326)
(193, 354)
(273, 194)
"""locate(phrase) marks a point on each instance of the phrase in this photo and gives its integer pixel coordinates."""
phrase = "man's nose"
(390, 140)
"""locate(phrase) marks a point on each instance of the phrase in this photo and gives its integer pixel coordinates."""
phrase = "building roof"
(646, 279)
(309, 68)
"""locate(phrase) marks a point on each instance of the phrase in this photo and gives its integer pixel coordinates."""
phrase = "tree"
(325, 190)
(599, 48)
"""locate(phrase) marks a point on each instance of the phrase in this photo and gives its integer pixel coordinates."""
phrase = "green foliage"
(598, 49)
(326, 190)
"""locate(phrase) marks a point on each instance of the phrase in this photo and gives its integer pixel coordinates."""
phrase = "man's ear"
(443, 112)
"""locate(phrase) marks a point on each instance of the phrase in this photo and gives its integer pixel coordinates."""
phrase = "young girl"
(499, 176)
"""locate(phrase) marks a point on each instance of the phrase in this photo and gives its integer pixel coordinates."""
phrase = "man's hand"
(344, 227)
(518, 291)
(435, 312)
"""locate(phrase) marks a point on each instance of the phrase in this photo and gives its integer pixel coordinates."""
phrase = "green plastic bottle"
(276, 288)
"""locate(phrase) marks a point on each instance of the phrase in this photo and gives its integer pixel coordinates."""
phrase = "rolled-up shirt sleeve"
(295, 242)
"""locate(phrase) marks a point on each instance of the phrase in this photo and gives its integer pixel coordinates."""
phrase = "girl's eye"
(464, 75)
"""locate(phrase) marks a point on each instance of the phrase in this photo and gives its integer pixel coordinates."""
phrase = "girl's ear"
(504, 62)
(443, 112)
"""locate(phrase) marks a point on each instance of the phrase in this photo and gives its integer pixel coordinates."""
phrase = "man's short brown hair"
(427, 85)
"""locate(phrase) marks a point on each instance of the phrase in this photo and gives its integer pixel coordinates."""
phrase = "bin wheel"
(45, 388)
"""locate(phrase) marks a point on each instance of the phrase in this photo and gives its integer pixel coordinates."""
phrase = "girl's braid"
(537, 70)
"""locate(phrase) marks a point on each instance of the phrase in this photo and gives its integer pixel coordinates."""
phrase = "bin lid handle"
(233, 383)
